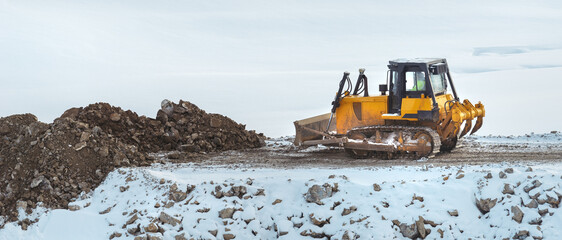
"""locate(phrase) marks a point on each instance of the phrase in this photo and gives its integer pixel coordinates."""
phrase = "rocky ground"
(100, 172)
(186, 201)
(53, 163)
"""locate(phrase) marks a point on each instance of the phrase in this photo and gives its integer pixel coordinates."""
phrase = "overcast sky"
(268, 63)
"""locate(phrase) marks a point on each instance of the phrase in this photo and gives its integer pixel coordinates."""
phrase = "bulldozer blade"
(313, 128)
(467, 127)
(478, 125)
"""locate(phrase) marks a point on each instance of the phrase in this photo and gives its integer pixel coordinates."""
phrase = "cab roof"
(417, 61)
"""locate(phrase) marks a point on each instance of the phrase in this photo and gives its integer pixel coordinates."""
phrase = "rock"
(523, 234)
(509, 170)
(73, 207)
(203, 210)
(132, 219)
(529, 169)
(409, 231)
(502, 174)
(260, 192)
(115, 117)
(349, 235)
(543, 212)
(236, 191)
(517, 214)
(174, 155)
(319, 221)
(376, 187)
(167, 106)
(174, 187)
(154, 237)
(484, 205)
(385, 204)
(421, 227)
(317, 193)
(151, 228)
(441, 232)
(38, 180)
(553, 201)
(431, 223)
(144, 237)
(178, 196)
(104, 151)
(84, 137)
(96, 131)
(134, 230)
(488, 176)
(114, 235)
(214, 232)
(283, 227)
(106, 210)
(419, 198)
(507, 189)
(181, 237)
(188, 148)
(312, 234)
(532, 204)
(165, 218)
(218, 193)
(453, 213)
(534, 184)
(80, 146)
(228, 236)
(347, 211)
(215, 123)
(276, 201)
(460, 176)
(226, 213)
(189, 188)
(536, 221)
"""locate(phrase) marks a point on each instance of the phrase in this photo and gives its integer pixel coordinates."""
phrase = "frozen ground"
(270, 201)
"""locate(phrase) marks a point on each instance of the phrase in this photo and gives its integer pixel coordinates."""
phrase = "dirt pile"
(54, 163)
(182, 127)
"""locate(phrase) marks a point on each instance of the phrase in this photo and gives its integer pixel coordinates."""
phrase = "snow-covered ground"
(282, 211)
(532, 142)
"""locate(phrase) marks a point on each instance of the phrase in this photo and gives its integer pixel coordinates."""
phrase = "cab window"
(439, 83)
(415, 81)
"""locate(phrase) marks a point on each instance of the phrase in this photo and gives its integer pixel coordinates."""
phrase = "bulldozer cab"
(416, 78)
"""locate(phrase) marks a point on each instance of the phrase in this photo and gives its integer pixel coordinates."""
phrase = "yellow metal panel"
(412, 106)
(369, 109)
(441, 100)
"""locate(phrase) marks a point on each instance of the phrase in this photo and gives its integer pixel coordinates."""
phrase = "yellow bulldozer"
(417, 118)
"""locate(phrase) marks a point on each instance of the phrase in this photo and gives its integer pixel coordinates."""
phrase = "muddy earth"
(280, 153)
(54, 163)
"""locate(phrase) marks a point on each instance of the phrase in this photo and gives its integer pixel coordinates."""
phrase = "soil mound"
(182, 126)
(54, 163)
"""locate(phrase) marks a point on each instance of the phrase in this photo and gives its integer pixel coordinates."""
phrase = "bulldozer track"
(436, 140)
